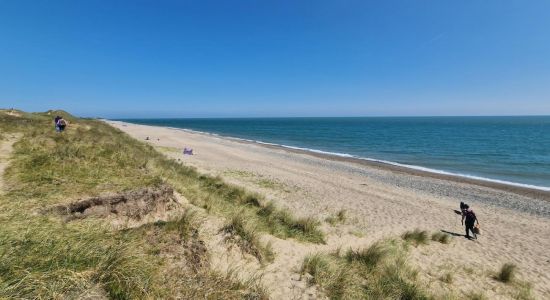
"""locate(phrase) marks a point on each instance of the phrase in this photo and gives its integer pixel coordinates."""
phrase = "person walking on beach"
(469, 218)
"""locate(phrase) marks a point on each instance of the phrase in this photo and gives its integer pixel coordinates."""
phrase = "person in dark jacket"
(55, 122)
(61, 124)
(469, 219)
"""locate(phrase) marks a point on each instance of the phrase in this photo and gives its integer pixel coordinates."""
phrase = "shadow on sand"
(452, 233)
(456, 234)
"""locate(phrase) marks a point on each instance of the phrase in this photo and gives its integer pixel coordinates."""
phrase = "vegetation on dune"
(476, 296)
(333, 275)
(42, 256)
(45, 259)
(441, 237)
(417, 237)
(377, 272)
(85, 160)
(368, 257)
(506, 273)
(213, 194)
(241, 233)
(339, 217)
(259, 180)
(191, 278)
(447, 278)
(523, 291)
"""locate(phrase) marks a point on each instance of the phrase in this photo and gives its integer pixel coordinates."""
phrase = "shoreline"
(511, 188)
(517, 188)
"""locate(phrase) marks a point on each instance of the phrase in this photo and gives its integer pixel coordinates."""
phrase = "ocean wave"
(442, 172)
(414, 167)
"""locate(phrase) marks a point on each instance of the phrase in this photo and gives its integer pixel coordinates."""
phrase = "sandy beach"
(381, 202)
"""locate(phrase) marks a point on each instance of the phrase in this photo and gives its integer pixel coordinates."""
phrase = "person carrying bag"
(469, 219)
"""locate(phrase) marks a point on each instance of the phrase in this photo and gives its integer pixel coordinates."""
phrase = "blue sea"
(513, 150)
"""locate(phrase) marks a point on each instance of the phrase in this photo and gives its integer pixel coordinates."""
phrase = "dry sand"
(381, 202)
(6, 147)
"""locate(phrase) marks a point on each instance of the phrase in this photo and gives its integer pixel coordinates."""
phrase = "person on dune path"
(61, 124)
(55, 121)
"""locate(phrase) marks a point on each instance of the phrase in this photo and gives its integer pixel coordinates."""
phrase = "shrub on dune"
(416, 236)
(248, 239)
(369, 257)
(377, 272)
(441, 237)
(507, 273)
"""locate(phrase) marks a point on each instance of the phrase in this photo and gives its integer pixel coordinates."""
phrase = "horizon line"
(312, 117)
(98, 116)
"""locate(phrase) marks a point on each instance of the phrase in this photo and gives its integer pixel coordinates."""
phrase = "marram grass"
(42, 257)
(377, 272)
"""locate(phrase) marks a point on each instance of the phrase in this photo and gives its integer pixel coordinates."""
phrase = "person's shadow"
(452, 233)
(457, 234)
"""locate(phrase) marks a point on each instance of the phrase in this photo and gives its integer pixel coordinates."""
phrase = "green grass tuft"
(506, 273)
(253, 200)
(247, 239)
(523, 291)
(340, 217)
(332, 274)
(441, 237)
(417, 236)
(476, 296)
(369, 257)
(447, 278)
(186, 225)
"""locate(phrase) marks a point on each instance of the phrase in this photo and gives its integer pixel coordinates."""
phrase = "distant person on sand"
(61, 124)
(188, 151)
(469, 216)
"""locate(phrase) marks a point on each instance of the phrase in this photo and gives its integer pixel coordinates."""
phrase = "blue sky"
(276, 58)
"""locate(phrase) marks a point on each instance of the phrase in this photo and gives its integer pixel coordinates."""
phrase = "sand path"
(6, 147)
(381, 204)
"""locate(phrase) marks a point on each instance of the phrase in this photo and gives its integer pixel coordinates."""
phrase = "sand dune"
(381, 202)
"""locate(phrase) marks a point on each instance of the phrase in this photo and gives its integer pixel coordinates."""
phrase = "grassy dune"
(42, 256)
(218, 197)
